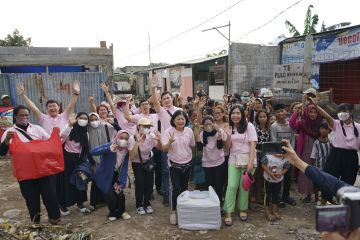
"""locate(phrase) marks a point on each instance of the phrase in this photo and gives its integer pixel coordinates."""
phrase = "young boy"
(319, 154)
(275, 166)
(280, 130)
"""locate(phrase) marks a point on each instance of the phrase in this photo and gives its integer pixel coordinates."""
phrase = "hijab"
(80, 135)
(311, 127)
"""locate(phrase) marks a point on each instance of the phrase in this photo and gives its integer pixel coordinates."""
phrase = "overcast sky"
(80, 23)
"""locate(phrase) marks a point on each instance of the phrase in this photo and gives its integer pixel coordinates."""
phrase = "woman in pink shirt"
(242, 159)
(140, 151)
(343, 160)
(211, 141)
(76, 148)
(178, 141)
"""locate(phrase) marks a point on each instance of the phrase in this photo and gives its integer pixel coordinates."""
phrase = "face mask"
(343, 116)
(122, 142)
(22, 121)
(95, 124)
(82, 123)
(145, 131)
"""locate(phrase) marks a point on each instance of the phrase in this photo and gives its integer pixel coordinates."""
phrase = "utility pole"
(229, 43)
(149, 48)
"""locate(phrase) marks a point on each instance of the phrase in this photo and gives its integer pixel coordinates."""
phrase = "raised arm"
(127, 115)
(155, 100)
(294, 122)
(105, 89)
(167, 146)
(323, 113)
(92, 104)
(20, 89)
(73, 100)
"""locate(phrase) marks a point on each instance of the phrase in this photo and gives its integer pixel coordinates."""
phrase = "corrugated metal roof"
(56, 86)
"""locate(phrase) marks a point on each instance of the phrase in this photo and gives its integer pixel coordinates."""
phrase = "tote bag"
(37, 158)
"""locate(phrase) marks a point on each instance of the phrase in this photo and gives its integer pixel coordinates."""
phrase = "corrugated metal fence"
(56, 86)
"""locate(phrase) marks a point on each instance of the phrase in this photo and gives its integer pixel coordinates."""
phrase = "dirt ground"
(297, 223)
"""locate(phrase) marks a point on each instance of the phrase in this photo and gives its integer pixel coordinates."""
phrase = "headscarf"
(117, 136)
(80, 135)
(205, 133)
(311, 127)
(95, 114)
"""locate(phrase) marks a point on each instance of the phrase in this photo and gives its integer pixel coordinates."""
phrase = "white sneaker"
(173, 219)
(111, 219)
(140, 211)
(149, 210)
(125, 216)
(84, 210)
(64, 211)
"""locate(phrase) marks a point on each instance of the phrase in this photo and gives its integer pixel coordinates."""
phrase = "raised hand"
(72, 120)
(154, 80)
(157, 136)
(104, 87)
(91, 99)
(140, 137)
(20, 89)
(9, 136)
(76, 87)
(172, 138)
(128, 98)
(226, 98)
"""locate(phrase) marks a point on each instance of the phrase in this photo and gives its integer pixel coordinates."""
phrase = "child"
(274, 166)
(319, 154)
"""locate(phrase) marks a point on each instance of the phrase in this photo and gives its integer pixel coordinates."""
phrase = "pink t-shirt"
(350, 141)
(240, 143)
(124, 124)
(34, 131)
(180, 151)
(212, 156)
(165, 117)
(145, 148)
(48, 123)
(153, 117)
(70, 146)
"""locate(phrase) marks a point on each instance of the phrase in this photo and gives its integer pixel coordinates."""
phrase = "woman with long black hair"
(241, 160)
(343, 161)
(76, 148)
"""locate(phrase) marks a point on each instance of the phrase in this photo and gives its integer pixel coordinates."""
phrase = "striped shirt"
(320, 152)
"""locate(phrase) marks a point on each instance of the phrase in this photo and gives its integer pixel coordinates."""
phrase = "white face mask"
(95, 124)
(82, 123)
(145, 130)
(122, 142)
(343, 116)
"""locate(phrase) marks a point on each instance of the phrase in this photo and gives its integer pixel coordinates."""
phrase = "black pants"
(343, 164)
(144, 182)
(115, 201)
(96, 195)
(67, 193)
(179, 180)
(44, 187)
(158, 170)
(272, 192)
(215, 178)
(287, 183)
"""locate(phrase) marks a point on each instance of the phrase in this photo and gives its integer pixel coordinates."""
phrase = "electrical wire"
(182, 33)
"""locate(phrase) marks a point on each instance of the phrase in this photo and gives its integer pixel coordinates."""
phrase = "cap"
(245, 94)
(144, 121)
(4, 96)
(310, 90)
(268, 94)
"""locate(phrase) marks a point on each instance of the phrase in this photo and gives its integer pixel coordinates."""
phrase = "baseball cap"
(4, 96)
(144, 121)
(310, 90)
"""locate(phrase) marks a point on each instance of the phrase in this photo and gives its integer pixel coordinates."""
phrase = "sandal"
(228, 221)
(243, 216)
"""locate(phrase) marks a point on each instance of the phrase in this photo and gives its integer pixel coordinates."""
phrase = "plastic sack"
(37, 158)
(199, 210)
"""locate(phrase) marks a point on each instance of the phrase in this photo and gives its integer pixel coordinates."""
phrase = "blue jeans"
(165, 177)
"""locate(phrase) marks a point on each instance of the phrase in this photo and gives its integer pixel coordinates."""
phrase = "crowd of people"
(170, 142)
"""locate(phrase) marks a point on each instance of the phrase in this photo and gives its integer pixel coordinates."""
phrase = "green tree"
(216, 54)
(309, 24)
(16, 40)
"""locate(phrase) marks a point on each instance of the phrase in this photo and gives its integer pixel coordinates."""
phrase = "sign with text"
(288, 76)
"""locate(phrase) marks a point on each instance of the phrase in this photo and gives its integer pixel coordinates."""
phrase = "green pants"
(235, 184)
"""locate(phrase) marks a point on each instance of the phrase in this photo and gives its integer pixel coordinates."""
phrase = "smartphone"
(332, 218)
(273, 148)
